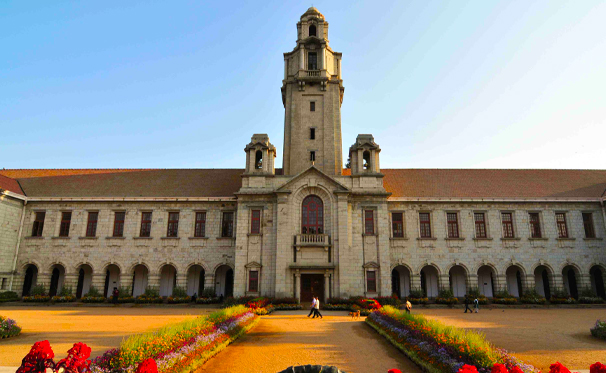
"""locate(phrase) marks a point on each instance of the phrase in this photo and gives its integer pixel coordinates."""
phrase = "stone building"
(310, 228)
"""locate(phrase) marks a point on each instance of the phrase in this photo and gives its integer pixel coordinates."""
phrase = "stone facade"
(11, 209)
(313, 228)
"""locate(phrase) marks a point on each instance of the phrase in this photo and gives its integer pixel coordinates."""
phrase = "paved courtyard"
(538, 336)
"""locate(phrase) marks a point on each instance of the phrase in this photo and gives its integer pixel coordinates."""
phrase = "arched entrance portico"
(112, 279)
(570, 277)
(31, 276)
(543, 279)
(195, 280)
(486, 280)
(85, 276)
(515, 281)
(596, 274)
(400, 281)
(140, 274)
(458, 281)
(429, 281)
(224, 281)
(168, 279)
(57, 279)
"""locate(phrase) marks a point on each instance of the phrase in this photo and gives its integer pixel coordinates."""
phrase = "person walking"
(313, 307)
(317, 307)
(467, 304)
(408, 306)
(476, 303)
(115, 294)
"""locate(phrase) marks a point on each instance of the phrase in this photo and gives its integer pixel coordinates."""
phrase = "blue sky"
(184, 84)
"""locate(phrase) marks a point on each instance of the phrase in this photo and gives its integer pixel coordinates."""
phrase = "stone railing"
(312, 240)
(313, 73)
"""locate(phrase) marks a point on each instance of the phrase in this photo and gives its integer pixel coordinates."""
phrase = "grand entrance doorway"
(312, 286)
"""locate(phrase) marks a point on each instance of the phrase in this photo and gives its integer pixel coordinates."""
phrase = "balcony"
(312, 75)
(316, 240)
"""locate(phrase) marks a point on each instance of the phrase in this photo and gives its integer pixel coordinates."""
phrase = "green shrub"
(502, 294)
(284, 301)
(599, 330)
(418, 300)
(347, 301)
(231, 301)
(66, 291)
(213, 300)
(532, 297)
(474, 293)
(151, 291)
(38, 290)
(179, 292)
(588, 293)
(389, 301)
(509, 300)
(208, 293)
(445, 293)
(416, 293)
(590, 300)
(124, 292)
(8, 296)
(94, 292)
(448, 301)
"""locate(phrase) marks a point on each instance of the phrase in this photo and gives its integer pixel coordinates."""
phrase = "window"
(371, 281)
(119, 217)
(588, 225)
(227, 225)
(38, 224)
(173, 224)
(66, 219)
(424, 225)
(312, 133)
(452, 220)
(255, 222)
(312, 61)
(258, 160)
(397, 224)
(507, 221)
(312, 215)
(253, 281)
(91, 226)
(146, 221)
(200, 228)
(535, 225)
(366, 160)
(312, 106)
(561, 223)
(369, 222)
(312, 30)
(480, 220)
(312, 156)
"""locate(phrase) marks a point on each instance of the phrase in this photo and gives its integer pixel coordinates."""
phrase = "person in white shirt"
(313, 307)
(317, 309)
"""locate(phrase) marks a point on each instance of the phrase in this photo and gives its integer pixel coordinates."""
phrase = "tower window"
(312, 106)
(366, 157)
(312, 61)
(258, 160)
(312, 156)
(312, 133)
(312, 30)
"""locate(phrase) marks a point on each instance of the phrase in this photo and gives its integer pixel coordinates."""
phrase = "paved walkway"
(290, 338)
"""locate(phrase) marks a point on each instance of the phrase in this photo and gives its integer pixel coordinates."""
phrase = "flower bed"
(419, 300)
(448, 301)
(179, 347)
(437, 347)
(591, 300)
(569, 300)
(599, 330)
(124, 299)
(8, 328)
(36, 298)
(146, 299)
(63, 298)
(509, 300)
(287, 307)
(214, 300)
(91, 299)
(8, 296)
(175, 300)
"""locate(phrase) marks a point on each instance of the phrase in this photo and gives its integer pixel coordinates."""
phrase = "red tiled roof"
(9, 184)
(422, 183)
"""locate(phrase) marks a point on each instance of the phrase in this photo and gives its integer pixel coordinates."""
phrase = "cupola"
(260, 156)
(364, 155)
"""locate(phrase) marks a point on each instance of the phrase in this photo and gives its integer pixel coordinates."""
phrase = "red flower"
(39, 358)
(147, 366)
(597, 368)
(468, 369)
(76, 358)
(516, 370)
(498, 368)
(394, 371)
(558, 368)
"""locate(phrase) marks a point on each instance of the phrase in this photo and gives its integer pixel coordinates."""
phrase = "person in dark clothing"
(115, 294)
(194, 297)
(467, 305)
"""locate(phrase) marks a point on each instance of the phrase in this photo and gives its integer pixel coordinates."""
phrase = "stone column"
(98, 281)
(209, 281)
(415, 281)
(326, 286)
(529, 283)
(302, 57)
(285, 69)
(70, 279)
(298, 286)
(181, 281)
(321, 65)
(153, 281)
(444, 282)
(472, 282)
(43, 279)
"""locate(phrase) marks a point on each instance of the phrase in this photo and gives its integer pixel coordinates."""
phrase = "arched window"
(312, 30)
(366, 156)
(312, 215)
(258, 160)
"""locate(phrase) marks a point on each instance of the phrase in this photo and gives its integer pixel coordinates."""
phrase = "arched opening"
(429, 281)
(140, 274)
(258, 160)
(224, 281)
(542, 281)
(366, 160)
(570, 281)
(458, 281)
(112, 279)
(195, 280)
(57, 278)
(312, 215)
(514, 281)
(312, 30)
(168, 279)
(31, 276)
(400, 281)
(85, 277)
(597, 281)
(486, 276)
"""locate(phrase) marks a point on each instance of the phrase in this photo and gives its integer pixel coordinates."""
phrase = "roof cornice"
(488, 199)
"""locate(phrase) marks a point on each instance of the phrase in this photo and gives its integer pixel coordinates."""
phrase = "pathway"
(290, 338)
